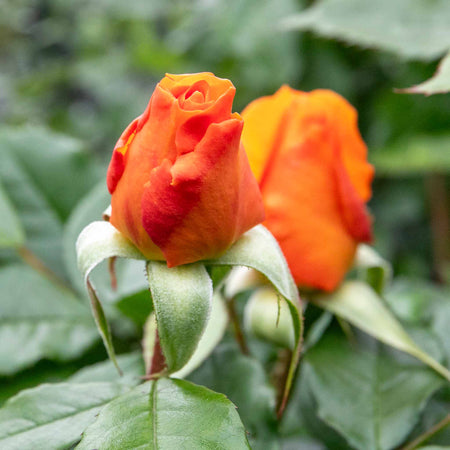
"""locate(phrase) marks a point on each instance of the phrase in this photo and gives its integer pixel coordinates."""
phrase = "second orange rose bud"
(311, 165)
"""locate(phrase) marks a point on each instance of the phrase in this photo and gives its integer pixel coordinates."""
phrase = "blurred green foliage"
(86, 69)
(74, 74)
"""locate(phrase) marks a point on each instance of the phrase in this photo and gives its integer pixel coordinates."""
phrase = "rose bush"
(182, 189)
(310, 161)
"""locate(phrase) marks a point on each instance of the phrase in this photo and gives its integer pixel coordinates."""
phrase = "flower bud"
(182, 189)
(311, 164)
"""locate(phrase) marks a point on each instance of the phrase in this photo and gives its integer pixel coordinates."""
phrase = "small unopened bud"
(267, 316)
(242, 279)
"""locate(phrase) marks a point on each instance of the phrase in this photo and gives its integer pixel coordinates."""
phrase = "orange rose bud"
(182, 189)
(311, 164)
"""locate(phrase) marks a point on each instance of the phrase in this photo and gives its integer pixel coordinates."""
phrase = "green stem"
(293, 364)
(239, 335)
(36, 263)
(428, 434)
(436, 187)
(280, 376)
(439, 368)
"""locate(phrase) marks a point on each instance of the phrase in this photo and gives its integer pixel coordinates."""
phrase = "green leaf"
(167, 414)
(44, 175)
(136, 306)
(98, 241)
(414, 155)
(57, 164)
(317, 328)
(53, 416)
(182, 299)
(301, 417)
(434, 447)
(356, 302)
(422, 305)
(214, 331)
(439, 83)
(39, 320)
(43, 372)
(301, 442)
(436, 411)
(43, 228)
(218, 275)
(416, 29)
(374, 269)
(243, 380)
(382, 400)
(57, 372)
(11, 232)
(131, 364)
(259, 250)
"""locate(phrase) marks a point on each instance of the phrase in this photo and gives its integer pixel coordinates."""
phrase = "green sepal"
(214, 331)
(97, 242)
(182, 299)
(259, 250)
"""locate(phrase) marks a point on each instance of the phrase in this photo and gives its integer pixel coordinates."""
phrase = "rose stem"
(36, 263)
(440, 223)
(239, 335)
(428, 434)
(279, 377)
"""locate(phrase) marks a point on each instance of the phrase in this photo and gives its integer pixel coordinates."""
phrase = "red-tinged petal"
(354, 210)
(115, 171)
(194, 209)
(165, 205)
(117, 164)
